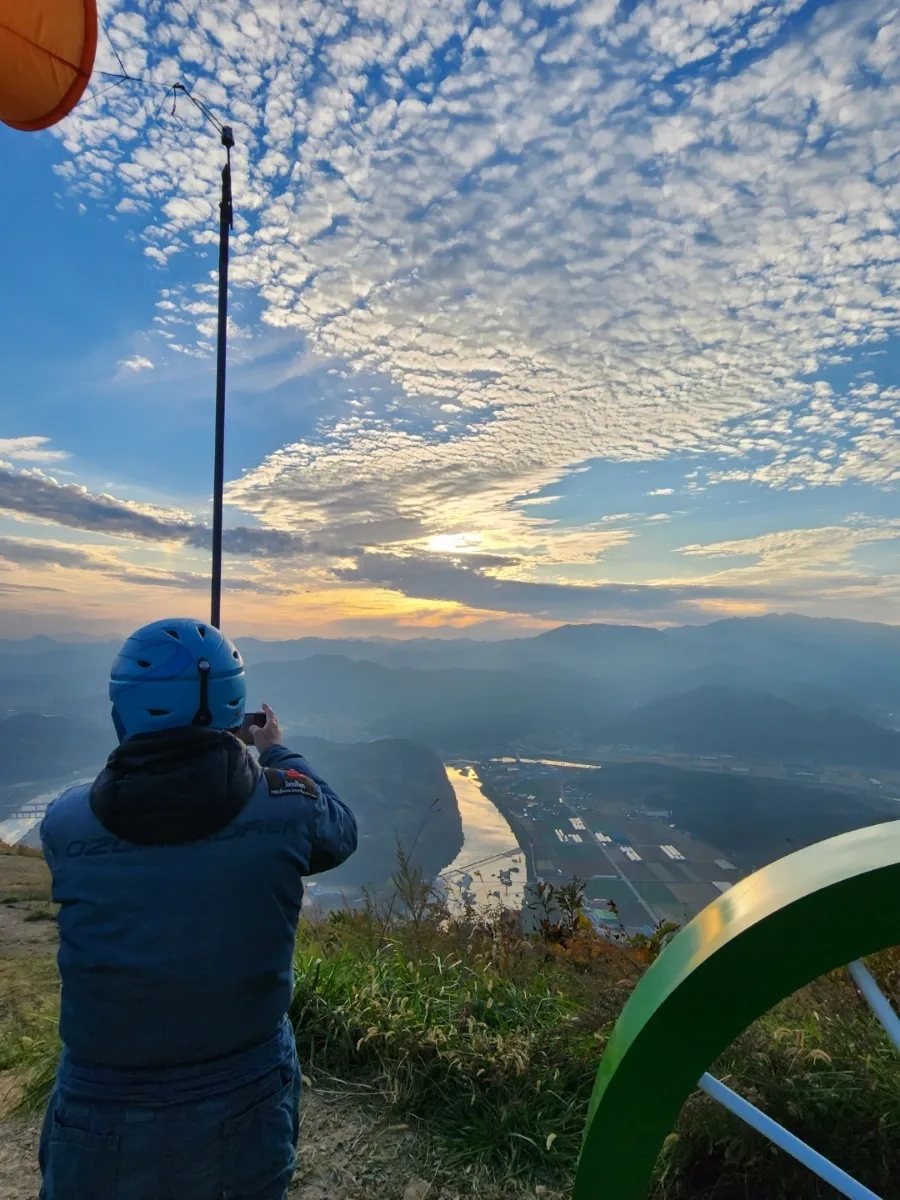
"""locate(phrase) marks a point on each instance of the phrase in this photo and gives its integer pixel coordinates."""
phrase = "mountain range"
(777, 687)
(818, 662)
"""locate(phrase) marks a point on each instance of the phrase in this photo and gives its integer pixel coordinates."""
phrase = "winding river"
(490, 865)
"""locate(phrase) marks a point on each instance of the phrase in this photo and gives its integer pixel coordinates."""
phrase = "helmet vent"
(234, 654)
(201, 629)
(173, 633)
(142, 662)
(233, 703)
(158, 712)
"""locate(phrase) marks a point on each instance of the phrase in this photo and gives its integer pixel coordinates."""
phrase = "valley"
(737, 741)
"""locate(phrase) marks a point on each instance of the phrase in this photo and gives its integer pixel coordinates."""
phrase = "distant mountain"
(856, 659)
(819, 662)
(753, 725)
(467, 696)
(258, 650)
(59, 678)
(452, 710)
(42, 747)
(22, 647)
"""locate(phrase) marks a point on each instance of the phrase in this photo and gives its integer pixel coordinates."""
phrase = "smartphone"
(251, 719)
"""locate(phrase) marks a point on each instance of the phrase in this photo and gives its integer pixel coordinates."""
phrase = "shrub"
(493, 1039)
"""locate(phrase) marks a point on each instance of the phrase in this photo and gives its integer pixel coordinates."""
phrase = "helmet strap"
(118, 725)
(203, 716)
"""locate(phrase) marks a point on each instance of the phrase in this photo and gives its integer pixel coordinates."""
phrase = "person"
(179, 878)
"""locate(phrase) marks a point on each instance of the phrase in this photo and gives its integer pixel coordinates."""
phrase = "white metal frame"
(777, 1134)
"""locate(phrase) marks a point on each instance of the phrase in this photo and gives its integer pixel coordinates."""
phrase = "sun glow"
(455, 543)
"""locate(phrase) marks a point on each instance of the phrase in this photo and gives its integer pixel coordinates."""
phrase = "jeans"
(237, 1146)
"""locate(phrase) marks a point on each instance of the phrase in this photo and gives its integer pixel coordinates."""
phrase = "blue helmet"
(175, 673)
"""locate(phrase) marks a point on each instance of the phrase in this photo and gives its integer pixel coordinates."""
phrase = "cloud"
(795, 551)
(34, 494)
(617, 234)
(587, 253)
(822, 442)
(444, 579)
(818, 570)
(254, 543)
(29, 449)
(43, 553)
(27, 552)
(15, 589)
(193, 581)
(136, 363)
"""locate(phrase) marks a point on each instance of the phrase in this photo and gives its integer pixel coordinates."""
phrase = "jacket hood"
(175, 786)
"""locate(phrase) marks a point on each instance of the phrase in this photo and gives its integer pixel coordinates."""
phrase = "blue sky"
(541, 312)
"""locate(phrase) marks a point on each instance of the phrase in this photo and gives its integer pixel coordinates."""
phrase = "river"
(551, 762)
(26, 800)
(486, 835)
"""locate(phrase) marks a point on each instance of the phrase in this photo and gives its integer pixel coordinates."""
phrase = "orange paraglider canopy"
(47, 52)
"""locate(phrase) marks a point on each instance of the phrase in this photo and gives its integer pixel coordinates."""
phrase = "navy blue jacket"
(178, 873)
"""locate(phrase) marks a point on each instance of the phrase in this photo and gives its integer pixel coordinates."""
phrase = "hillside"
(753, 725)
(816, 663)
(427, 1044)
(752, 820)
(391, 786)
(568, 686)
(44, 747)
(453, 710)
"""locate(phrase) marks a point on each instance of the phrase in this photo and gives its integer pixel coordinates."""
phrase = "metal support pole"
(226, 223)
(757, 1120)
(877, 1001)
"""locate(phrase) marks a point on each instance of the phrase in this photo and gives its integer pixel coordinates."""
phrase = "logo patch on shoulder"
(289, 783)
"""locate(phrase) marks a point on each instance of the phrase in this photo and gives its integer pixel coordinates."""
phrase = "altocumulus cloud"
(626, 232)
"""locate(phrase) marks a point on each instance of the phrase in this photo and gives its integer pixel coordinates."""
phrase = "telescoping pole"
(226, 223)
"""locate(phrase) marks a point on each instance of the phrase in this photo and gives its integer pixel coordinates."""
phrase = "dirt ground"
(344, 1155)
(348, 1151)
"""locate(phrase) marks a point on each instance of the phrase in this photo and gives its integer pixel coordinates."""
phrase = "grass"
(487, 1043)
(42, 911)
(449, 1038)
(492, 1041)
(19, 851)
(25, 875)
(29, 1045)
(821, 1066)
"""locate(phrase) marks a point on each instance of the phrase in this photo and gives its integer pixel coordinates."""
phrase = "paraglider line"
(113, 45)
(109, 87)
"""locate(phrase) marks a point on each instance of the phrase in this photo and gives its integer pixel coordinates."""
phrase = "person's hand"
(268, 735)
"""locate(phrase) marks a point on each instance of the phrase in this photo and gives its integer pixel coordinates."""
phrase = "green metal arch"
(772, 933)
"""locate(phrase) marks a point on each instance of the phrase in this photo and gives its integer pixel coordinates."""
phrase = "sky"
(540, 313)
